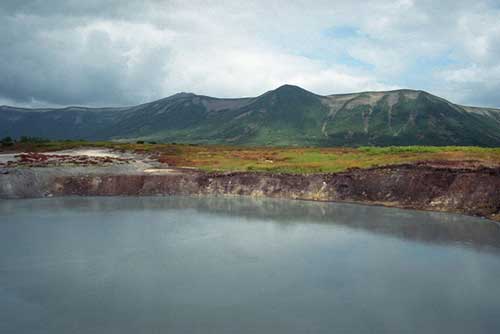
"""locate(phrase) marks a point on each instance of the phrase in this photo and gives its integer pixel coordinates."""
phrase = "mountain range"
(288, 115)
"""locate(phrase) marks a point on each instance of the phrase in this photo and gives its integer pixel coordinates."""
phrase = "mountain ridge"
(184, 94)
(287, 115)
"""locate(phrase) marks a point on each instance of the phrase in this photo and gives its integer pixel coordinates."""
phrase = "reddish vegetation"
(33, 159)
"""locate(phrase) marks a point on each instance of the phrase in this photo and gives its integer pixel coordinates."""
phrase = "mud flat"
(437, 186)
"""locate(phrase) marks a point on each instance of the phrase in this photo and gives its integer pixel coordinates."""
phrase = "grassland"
(301, 160)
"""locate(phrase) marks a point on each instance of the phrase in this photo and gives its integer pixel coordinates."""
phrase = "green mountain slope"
(288, 115)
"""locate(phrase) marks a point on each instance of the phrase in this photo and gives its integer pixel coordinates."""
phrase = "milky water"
(213, 265)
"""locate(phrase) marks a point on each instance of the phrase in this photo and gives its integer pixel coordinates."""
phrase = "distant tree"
(140, 142)
(7, 141)
(27, 139)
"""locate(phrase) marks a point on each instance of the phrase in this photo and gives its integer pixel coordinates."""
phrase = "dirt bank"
(468, 189)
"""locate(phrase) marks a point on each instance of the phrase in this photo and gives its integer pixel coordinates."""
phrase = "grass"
(301, 160)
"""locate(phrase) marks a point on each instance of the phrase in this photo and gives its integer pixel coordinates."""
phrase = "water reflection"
(422, 226)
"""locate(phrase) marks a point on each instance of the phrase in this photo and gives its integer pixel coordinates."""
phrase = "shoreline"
(473, 191)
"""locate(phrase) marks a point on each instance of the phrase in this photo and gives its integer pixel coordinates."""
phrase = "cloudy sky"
(119, 52)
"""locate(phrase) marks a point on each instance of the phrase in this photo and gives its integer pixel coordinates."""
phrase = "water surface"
(214, 265)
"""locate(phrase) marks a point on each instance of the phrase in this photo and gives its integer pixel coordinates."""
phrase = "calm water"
(186, 265)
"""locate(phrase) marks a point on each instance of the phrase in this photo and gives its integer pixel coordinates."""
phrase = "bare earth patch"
(76, 157)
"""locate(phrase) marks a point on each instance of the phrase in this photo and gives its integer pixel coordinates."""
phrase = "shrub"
(7, 141)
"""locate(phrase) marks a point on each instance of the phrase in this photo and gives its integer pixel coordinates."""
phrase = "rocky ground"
(459, 186)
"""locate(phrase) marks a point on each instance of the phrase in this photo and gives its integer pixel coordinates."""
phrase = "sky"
(126, 52)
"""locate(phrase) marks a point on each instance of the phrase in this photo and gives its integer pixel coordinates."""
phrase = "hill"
(288, 115)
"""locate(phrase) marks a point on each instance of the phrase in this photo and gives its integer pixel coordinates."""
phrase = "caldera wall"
(473, 191)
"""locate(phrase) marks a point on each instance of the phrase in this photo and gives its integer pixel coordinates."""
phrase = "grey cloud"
(52, 62)
(75, 8)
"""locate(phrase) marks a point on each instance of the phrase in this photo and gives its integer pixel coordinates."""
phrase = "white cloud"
(133, 51)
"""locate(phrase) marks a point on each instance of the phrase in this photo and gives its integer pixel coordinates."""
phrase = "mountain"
(288, 115)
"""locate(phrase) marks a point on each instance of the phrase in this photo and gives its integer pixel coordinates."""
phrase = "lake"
(241, 265)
